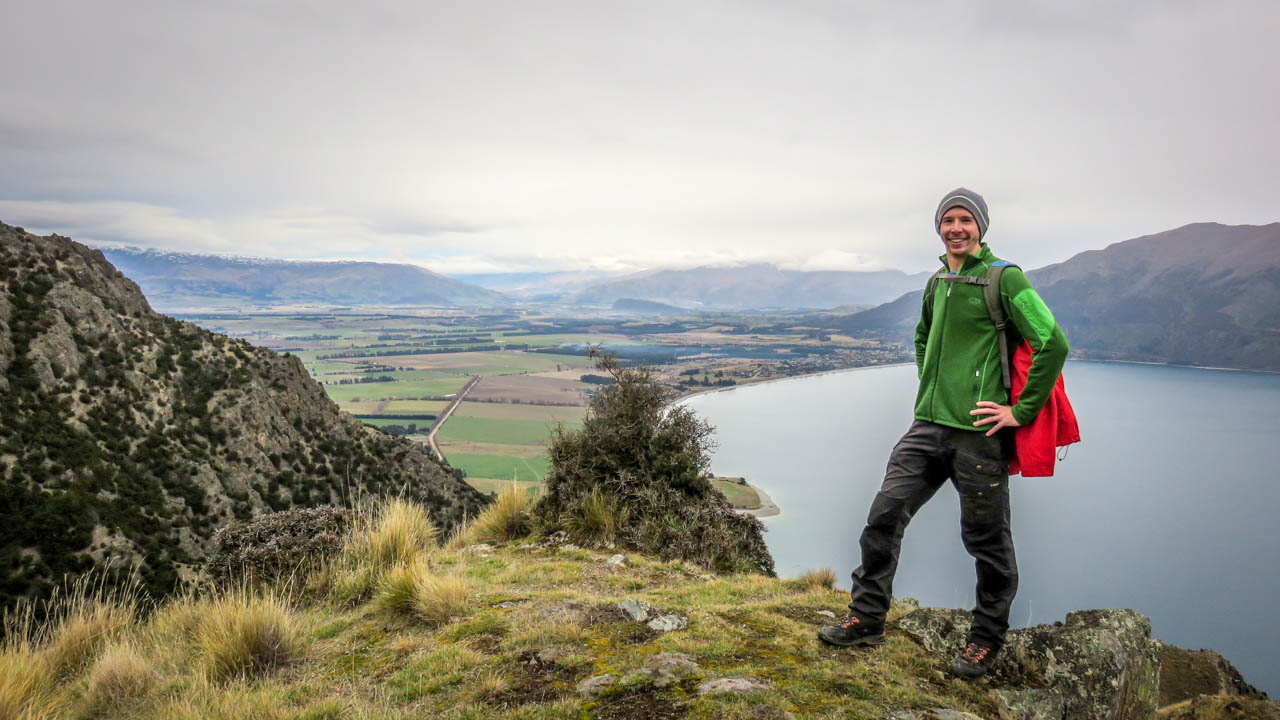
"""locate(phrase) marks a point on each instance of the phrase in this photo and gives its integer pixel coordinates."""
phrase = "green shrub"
(636, 471)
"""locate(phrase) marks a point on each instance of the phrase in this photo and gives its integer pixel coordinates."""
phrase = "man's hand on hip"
(1001, 415)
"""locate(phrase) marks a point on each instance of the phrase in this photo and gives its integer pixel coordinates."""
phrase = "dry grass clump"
(439, 598)
(90, 621)
(119, 675)
(413, 590)
(505, 519)
(242, 634)
(599, 519)
(398, 588)
(398, 532)
(817, 579)
(26, 686)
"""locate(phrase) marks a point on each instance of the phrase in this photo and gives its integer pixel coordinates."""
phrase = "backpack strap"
(991, 294)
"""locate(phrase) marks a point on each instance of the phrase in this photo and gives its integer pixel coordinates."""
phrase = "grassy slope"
(354, 655)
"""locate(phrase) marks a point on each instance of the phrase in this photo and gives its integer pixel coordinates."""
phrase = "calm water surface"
(1169, 506)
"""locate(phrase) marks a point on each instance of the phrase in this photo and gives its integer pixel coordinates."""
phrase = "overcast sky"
(478, 136)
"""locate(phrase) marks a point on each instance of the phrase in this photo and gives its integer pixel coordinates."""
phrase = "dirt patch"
(638, 706)
(534, 680)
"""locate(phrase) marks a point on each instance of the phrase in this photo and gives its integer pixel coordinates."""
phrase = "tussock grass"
(398, 588)
(598, 520)
(26, 685)
(90, 621)
(439, 598)
(119, 675)
(394, 534)
(817, 579)
(412, 590)
(242, 635)
(507, 518)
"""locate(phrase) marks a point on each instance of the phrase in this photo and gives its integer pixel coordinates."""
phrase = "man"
(962, 431)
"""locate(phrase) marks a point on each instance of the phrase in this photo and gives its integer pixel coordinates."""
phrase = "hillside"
(497, 624)
(129, 437)
(182, 280)
(1203, 294)
(753, 286)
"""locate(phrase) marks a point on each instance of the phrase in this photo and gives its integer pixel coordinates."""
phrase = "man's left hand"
(1001, 415)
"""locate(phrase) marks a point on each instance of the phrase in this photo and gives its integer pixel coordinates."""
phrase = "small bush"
(818, 579)
(507, 518)
(242, 635)
(276, 544)
(648, 458)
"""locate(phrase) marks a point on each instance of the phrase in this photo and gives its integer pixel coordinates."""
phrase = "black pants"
(921, 462)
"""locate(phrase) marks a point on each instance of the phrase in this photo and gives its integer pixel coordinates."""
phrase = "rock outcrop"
(128, 437)
(1097, 665)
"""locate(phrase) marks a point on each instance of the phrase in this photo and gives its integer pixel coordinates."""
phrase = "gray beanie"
(969, 200)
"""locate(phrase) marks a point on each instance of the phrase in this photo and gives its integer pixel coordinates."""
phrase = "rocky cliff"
(128, 437)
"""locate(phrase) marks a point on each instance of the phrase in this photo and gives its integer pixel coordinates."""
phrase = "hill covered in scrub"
(497, 623)
(128, 437)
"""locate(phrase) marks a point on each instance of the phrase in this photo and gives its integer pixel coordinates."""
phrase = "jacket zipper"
(937, 365)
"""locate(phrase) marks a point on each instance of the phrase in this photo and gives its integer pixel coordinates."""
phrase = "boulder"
(1095, 664)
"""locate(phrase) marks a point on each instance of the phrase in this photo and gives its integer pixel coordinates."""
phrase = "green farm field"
(438, 386)
(491, 430)
(526, 469)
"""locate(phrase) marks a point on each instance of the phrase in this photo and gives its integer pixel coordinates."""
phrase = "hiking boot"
(973, 662)
(852, 631)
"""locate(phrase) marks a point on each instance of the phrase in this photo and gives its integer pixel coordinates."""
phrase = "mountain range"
(181, 280)
(128, 437)
(1203, 294)
(753, 286)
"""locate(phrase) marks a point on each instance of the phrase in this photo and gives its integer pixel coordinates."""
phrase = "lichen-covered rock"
(598, 685)
(1030, 704)
(637, 610)
(736, 685)
(1185, 674)
(1100, 663)
(673, 662)
(668, 623)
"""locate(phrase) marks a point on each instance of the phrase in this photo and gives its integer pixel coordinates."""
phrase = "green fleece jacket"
(958, 352)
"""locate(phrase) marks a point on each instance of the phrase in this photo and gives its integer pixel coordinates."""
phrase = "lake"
(1169, 506)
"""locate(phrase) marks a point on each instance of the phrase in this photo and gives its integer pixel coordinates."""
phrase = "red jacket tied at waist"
(1037, 442)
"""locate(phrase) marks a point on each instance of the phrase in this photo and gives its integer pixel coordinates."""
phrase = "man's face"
(959, 233)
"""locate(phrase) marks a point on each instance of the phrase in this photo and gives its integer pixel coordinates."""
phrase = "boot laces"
(849, 621)
(975, 653)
